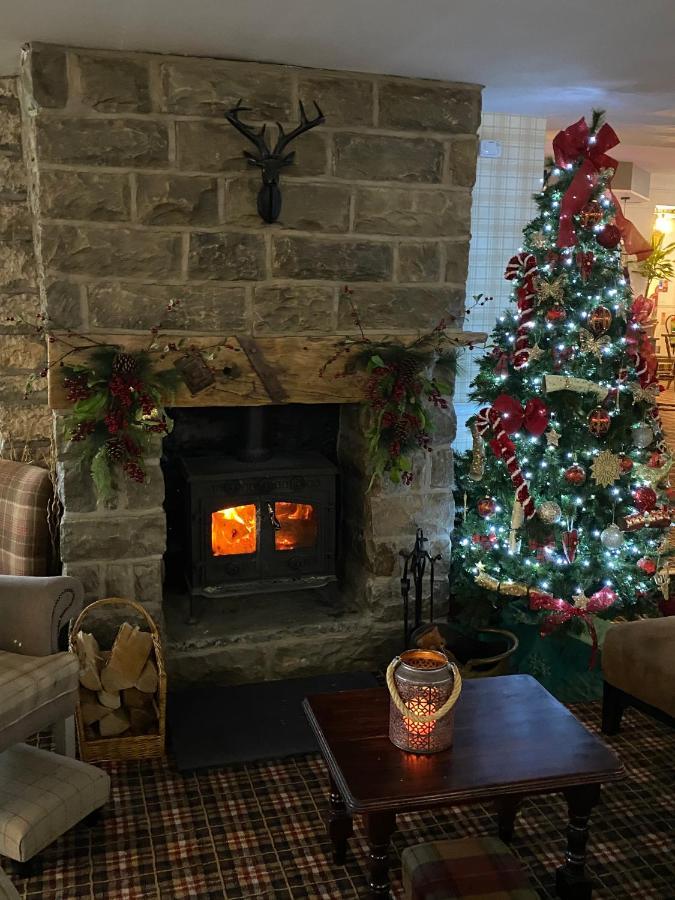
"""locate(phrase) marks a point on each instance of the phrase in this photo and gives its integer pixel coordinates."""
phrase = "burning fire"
(299, 526)
(233, 530)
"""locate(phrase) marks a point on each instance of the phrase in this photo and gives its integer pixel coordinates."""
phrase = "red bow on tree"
(571, 144)
(568, 146)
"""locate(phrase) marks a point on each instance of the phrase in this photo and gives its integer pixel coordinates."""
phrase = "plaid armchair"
(25, 492)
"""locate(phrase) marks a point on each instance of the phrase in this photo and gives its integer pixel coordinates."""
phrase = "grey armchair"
(38, 683)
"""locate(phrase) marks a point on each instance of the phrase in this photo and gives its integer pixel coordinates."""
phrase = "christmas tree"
(563, 504)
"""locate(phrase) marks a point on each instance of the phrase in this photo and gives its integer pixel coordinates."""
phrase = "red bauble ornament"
(644, 498)
(599, 421)
(599, 320)
(608, 237)
(556, 314)
(575, 475)
(626, 464)
(486, 507)
(646, 565)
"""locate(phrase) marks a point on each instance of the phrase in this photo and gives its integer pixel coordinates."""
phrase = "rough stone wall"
(142, 195)
(25, 424)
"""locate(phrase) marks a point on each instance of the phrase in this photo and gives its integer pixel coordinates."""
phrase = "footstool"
(42, 795)
(469, 867)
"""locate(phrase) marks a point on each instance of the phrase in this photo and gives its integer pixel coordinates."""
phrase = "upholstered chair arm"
(33, 612)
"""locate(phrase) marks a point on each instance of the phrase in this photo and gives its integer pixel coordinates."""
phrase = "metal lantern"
(424, 687)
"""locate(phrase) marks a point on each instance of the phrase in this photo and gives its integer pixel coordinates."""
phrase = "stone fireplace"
(140, 195)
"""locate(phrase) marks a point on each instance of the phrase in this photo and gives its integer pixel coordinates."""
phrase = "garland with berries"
(118, 404)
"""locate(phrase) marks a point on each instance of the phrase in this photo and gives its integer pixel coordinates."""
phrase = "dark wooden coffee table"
(512, 739)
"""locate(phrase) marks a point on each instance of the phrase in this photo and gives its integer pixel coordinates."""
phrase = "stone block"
(75, 486)
(150, 494)
(12, 175)
(307, 207)
(135, 307)
(442, 469)
(394, 211)
(17, 267)
(210, 147)
(100, 251)
(444, 423)
(13, 391)
(110, 537)
(96, 196)
(89, 575)
(377, 157)
(311, 156)
(429, 106)
(344, 99)
(226, 257)
(21, 351)
(176, 200)
(339, 260)
(456, 261)
(148, 583)
(390, 306)
(118, 581)
(10, 118)
(64, 305)
(463, 154)
(103, 142)
(210, 87)
(15, 221)
(293, 309)
(27, 305)
(49, 76)
(113, 83)
(25, 423)
(419, 262)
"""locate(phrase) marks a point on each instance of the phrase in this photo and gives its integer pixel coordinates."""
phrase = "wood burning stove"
(258, 525)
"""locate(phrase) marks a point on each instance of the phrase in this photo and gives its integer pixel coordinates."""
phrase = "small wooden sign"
(195, 372)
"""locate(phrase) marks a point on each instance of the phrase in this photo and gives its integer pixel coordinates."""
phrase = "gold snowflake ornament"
(606, 468)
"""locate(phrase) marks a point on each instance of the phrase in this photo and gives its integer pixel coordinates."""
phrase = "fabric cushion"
(639, 658)
(25, 492)
(42, 795)
(34, 690)
(7, 889)
(478, 868)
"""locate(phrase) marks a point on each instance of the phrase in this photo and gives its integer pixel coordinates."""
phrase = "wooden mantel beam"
(265, 369)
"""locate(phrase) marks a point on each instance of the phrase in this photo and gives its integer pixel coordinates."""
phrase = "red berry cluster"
(82, 431)
(76, 387)
(134, 471)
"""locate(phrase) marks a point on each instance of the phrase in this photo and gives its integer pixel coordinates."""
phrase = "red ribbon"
(561, 611)
(568, 146)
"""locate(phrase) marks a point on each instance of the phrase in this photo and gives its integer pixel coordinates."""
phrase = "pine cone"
(124, 364)
(115, 450)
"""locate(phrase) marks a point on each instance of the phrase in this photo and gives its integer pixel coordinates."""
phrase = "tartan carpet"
(256, 830)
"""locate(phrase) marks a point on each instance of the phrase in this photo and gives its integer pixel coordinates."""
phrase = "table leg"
(571, 881)
(507, 810)
(340, 825)
(379, 827)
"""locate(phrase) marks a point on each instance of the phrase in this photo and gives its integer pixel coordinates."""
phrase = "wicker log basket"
(123, 747)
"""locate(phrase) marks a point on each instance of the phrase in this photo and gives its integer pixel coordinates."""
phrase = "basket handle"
(114, 601)
(434, 716)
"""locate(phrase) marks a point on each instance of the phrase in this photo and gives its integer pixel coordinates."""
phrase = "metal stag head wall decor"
(271, 161)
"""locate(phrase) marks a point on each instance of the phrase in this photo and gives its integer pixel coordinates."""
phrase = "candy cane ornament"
(523, 267)
(503, 446)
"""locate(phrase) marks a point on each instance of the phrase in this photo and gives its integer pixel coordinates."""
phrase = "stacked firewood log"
(118, 687)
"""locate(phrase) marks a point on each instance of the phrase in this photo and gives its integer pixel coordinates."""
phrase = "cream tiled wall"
(502, 205)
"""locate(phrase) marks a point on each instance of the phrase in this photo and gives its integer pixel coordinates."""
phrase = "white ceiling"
(553, 58)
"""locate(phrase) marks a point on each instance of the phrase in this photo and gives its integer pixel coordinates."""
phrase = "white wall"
(502, 205)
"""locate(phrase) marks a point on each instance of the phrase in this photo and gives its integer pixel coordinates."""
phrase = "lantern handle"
(434, 716)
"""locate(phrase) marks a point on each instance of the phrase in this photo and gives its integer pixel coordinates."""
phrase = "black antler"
(257, 138)
(284, 139)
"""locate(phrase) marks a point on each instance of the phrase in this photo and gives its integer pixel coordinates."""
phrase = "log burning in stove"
(263, 520)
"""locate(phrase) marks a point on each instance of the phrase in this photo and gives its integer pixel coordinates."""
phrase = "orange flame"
(299, 526)
(233, 530)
